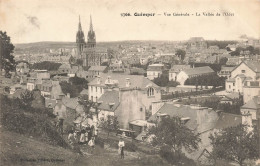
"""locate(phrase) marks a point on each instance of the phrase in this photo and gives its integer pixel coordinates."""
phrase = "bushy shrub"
(175, 158)
(34, 122)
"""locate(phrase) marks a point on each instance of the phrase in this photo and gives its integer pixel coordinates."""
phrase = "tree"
(27, 98)
(172, 132)
(110, 124)
(235, 144)
(46, 65)
(7, 61)
(181, 54)
(223, 61)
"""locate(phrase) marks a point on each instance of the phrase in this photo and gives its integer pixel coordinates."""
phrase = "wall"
(248, 71)
(230, 87)
(250, 92)
(129, 108)
(182, 77)
(95, 92)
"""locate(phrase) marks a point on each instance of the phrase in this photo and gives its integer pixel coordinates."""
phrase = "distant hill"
(52, 44)
(47, 44)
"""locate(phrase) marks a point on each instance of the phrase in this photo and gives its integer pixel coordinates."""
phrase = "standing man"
(60, 111)
(121, 146)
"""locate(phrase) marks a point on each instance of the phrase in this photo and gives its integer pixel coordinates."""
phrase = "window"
(233, 84)
(91, 98)
(100, 90)
(243, 71)
(96, 89)
(150, 92)
(91, 88)
(141, 109)
(229, 86)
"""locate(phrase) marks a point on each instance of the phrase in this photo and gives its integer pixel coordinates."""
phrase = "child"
(91, 143)
(82, 137)
(71, 138)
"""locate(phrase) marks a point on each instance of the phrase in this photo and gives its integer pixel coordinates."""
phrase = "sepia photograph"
(129, 82)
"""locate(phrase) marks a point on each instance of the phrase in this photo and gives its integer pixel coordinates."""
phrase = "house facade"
(245, 71)
(193, 72)
(154, 71)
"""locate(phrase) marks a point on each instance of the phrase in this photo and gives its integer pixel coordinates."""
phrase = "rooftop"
(198, 70)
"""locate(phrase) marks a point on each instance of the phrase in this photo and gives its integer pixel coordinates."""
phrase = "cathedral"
(87, 52)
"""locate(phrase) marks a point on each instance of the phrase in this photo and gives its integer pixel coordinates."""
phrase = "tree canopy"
(172, 132)
(75, 86)
(50, 66)
(7, 61)
(235, 144)
(181, 54)
(110, 124)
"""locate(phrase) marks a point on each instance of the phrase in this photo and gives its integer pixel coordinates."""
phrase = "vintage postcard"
(130, 82)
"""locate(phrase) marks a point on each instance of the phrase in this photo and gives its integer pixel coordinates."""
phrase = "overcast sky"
(57, 20)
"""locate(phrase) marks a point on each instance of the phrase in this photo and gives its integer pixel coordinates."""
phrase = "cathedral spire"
(91, 26)
(80, 29)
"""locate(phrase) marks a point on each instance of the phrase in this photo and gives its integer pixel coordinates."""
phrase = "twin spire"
(90, 26)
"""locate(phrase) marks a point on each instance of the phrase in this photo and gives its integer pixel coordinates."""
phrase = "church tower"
(80, 40)
(91, 36)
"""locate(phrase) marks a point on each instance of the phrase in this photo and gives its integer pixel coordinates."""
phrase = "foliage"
(223, 61)
(88, 104)
(162, 80)
(173, 84)
(79, 62)
(173, 158)
(50, 66)
(7, 61)
(206, 80)
(79, 82)
(251, 49)
(215, 104)
(220, 44)
(214, 66)
(27, 98)
(235, 144)
(110, 124)
(181, 54)
(74, 87)
(29, 121)
(172, 132)
(191, 93)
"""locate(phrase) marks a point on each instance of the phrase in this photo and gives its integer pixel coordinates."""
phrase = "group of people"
(83, 137)
(88, 136)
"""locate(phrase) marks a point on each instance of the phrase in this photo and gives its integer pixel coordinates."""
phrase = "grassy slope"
(15, 147)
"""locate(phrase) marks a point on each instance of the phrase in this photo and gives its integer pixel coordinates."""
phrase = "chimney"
(98, 79)
(128, 83)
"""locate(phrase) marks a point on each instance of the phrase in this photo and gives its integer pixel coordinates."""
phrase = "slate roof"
(225, 68)
(182, 111)
(65, 66)
(231, 80)
(255, 66)
(97, 68)
(138, 81)
(228, 120)
(177, 68)
(84, 92)
(155, 67)
(252, 104)
(198, 70)
(70, 102)
(109, 97)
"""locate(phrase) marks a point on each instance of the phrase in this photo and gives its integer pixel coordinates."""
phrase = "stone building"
(87, 52)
